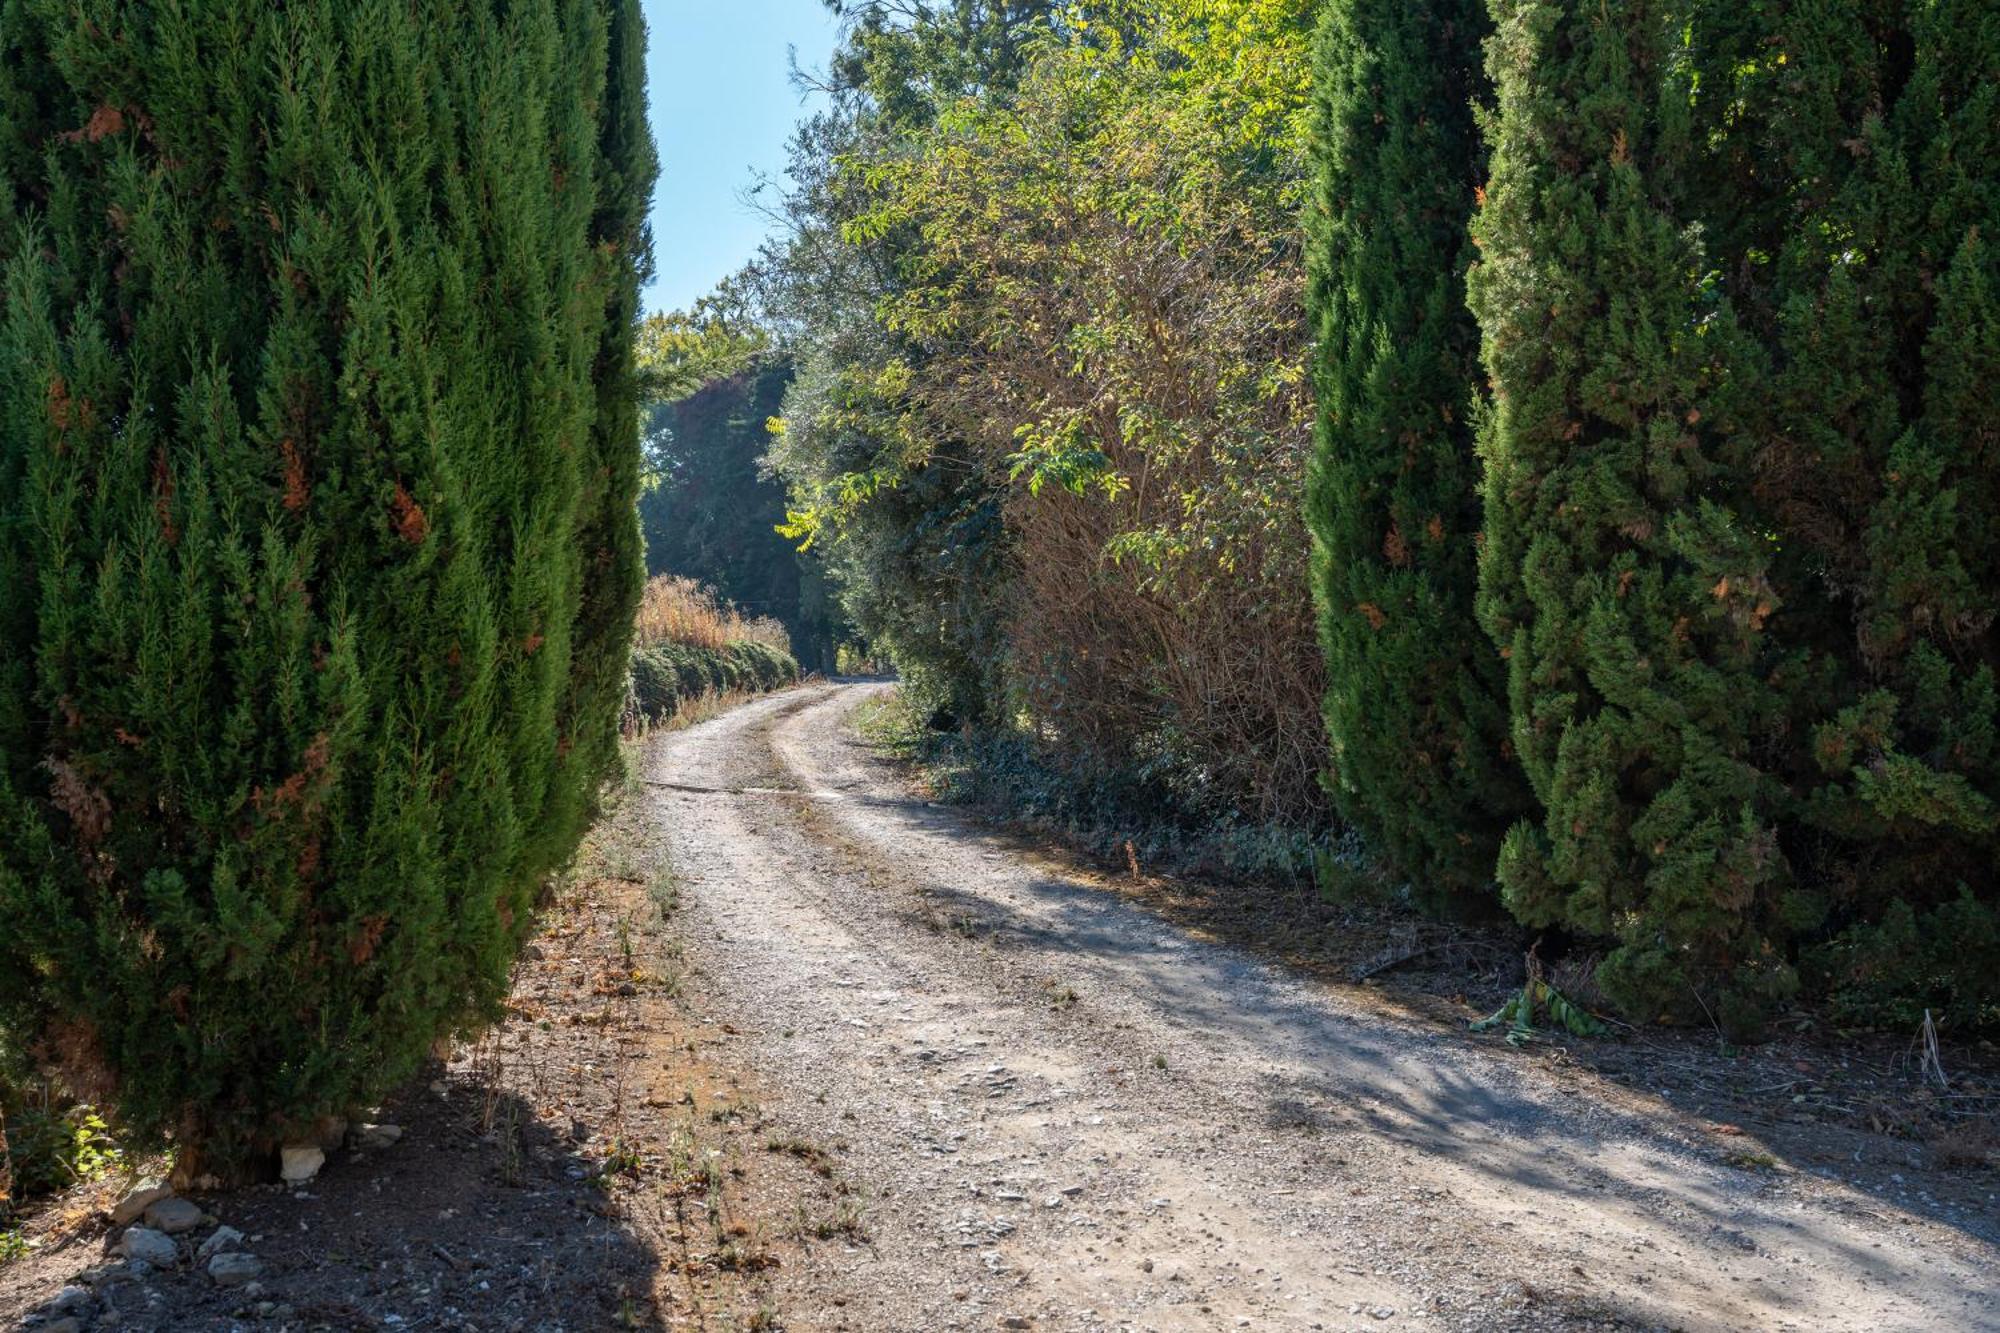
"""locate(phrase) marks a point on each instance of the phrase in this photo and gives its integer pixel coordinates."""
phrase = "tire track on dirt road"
(1065, 1113)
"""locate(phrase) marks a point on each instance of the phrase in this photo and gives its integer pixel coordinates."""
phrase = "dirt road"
(1063, 1113)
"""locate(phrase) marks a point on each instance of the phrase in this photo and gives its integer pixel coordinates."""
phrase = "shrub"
(1416, 705)
(692, 645)
(1623, 573)
(1739, 302)
(679, 610)
(667, 677)
(1060, 460)
(318, 457)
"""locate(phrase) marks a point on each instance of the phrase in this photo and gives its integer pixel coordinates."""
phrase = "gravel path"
(1065, 1113)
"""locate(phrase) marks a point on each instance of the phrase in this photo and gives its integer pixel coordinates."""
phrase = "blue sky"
(722, 108)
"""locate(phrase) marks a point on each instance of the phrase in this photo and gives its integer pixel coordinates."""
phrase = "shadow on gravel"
(1395, 1071)
(484, 1217)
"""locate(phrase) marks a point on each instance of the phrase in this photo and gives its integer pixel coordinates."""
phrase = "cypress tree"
(1860, 174)
(1626, 574)
(1738, 300)
(1416, 709)
(317, 543)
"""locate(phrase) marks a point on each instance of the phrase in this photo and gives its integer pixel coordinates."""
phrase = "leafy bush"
(1889, 973)
(667, 677)
(318, 557)
(48, 1142)
(1057, 455)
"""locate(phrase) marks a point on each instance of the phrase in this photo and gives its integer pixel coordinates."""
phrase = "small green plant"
(13, 1245)
(666, 892)
(625, 1159)
(52, 1146)
(811, 1154)
(1517, 1016)
(1751, 1161)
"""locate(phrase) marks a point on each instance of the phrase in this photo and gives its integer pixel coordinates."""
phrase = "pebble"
(1014, 1321)
(301, 1163)
(376, 1137)
(149, 1246)
(142, 1196)
(233, 1268)
(174, 1216)
(225, 1238)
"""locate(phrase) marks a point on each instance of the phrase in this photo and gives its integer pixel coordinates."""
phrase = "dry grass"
(678, 610)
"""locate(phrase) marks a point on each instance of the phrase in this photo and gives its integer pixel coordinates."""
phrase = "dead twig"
(1396, 962)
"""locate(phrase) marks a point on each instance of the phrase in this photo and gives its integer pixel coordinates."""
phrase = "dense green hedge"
(318, 549)
(668, 676)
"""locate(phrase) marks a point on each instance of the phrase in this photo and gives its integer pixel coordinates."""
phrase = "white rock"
(225, 1238)
(373, 1138)
(233, 1268)
(174, 1216)
(300, 1164)
(143, 1196)
(149, 1246)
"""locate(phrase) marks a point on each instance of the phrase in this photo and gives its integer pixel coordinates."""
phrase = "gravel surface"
(1064, 1113)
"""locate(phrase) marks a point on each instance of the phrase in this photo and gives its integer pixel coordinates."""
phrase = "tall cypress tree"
(1416, 709)
(317, 465)
(1858, 189)
(1626, 574)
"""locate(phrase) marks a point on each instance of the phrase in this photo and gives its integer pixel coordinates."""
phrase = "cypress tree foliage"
(1861, 166)
(317, 469)
(1416, 709)
(1738, 302)
(1626, 574)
